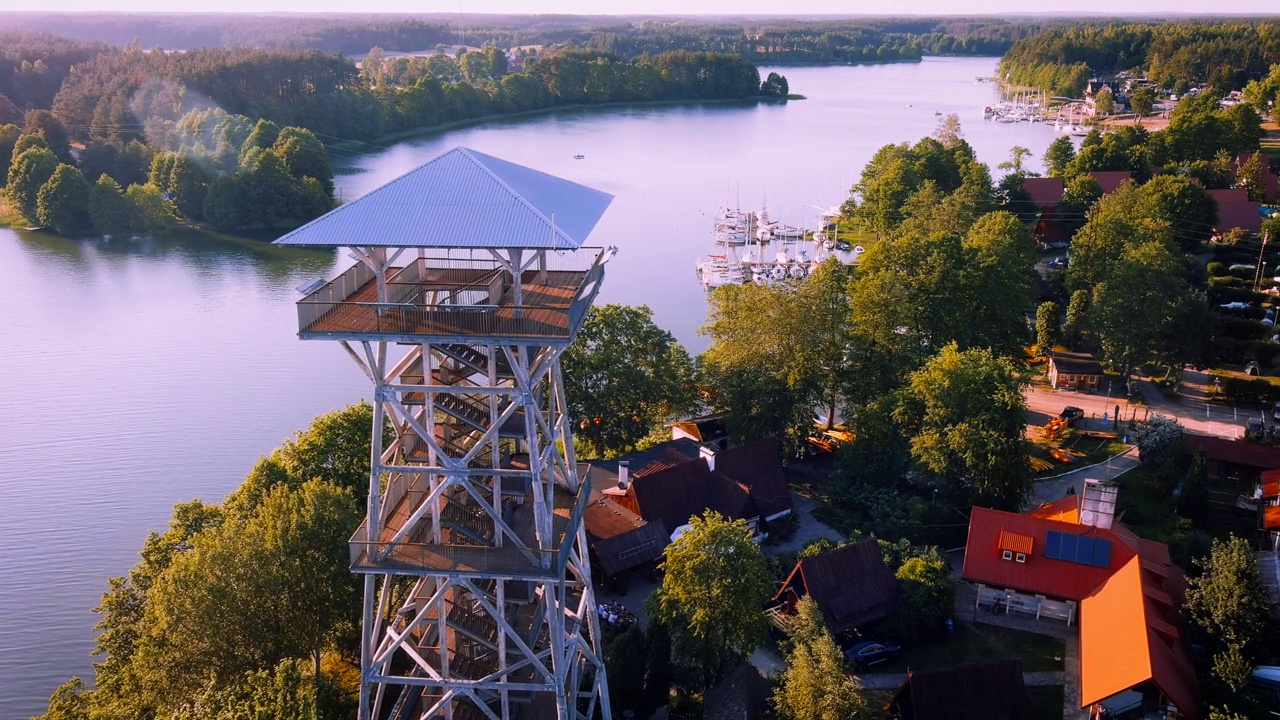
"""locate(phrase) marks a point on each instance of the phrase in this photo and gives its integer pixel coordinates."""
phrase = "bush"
(1216, 268)
(1220, 281)
(1248, 390)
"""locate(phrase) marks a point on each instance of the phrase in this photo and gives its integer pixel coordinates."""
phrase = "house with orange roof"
(1070, 561)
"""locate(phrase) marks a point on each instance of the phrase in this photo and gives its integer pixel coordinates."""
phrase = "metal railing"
(453, 559)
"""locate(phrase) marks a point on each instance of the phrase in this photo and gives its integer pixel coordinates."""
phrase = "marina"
(778, 252)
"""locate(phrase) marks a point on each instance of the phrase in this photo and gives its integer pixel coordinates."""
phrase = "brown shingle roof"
(758, 466)
(851, 585)
(677, 493)
(1075, 363)
(985, 691)
(632, 548)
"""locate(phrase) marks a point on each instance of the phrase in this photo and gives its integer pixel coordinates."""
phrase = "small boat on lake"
(579, 157)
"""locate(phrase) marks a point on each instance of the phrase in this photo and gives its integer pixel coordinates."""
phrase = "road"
(1191, 410)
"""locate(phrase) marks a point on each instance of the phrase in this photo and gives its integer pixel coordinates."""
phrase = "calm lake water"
(138, 373)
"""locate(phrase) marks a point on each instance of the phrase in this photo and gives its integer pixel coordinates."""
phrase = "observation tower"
(471, 281)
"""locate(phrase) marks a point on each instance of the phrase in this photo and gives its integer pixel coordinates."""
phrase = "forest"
(772, 40)
(238, 138)
(1176, 55)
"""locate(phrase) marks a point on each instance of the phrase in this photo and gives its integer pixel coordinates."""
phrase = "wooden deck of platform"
(433, 307)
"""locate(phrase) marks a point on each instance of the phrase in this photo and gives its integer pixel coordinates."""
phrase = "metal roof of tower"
(462, 199)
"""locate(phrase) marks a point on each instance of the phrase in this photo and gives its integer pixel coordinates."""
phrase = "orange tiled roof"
(1128, 636)
(1065, 510)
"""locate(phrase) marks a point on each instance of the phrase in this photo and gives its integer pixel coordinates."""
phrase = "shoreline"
(360, 146)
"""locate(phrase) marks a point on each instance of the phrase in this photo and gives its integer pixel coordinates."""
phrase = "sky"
(654, 7)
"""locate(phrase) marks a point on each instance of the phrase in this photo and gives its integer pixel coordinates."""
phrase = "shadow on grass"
(977, 644)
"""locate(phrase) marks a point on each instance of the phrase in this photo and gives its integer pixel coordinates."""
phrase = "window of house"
(1022, 557)
(1007, 554)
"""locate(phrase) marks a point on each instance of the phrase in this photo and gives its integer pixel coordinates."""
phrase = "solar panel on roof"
(1079, 549)
(1053, 544)
(1102, 553)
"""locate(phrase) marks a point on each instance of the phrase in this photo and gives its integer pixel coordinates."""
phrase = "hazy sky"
(593, 7)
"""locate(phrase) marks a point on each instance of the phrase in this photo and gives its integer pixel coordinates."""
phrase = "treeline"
(1176, 55)
(33, 66)
(756, 39)
(210, 167)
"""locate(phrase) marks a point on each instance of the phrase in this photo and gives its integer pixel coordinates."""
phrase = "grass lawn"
(1095, 450)
(1047, 701)
(972, 643)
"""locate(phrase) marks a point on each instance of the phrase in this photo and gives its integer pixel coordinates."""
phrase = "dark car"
(1071, 414)
(870, 652)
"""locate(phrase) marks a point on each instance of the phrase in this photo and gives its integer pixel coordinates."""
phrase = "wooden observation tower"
(471, 281)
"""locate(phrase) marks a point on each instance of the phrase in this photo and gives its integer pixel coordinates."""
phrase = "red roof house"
(1111, 180)
(1235, 210)
(1045, 192)
(1129, 594)
(1233, 458)
(992, 532)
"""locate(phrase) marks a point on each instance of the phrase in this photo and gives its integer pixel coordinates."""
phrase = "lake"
(139, 373)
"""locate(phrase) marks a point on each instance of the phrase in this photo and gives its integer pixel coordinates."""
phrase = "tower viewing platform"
(471, 280)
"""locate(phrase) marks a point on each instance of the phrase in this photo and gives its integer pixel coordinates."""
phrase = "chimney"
(624, 474)
(708, 453)
(1098, 505)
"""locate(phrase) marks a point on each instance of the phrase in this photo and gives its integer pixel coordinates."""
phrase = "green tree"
(188, 185)
(29, 172)
(658, 671)
(1132, 305)
(816, 686)
(716, 581)
(9, 135)
(1103, 103)
(264, 135)
(926, 596)
(63, 202)
(775, 86)
(284, 692)
(625, 665)
(1250, 177)
(1229, 605)
(253, 592)
(1048, 333)
(304, 155)
(42, 123)
(1075, 330)
(1014, 164)
(151, 212)
(1058, 156)
(624, 377)
(1142, 100)
(109, 210)
(1193, 497)
(969, 418)
(335, 448)
(69, 702)
(998, 283)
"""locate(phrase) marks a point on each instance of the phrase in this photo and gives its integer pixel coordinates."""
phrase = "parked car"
(870, 652)
(1237, 305)
(1275, 412)
(1071, 414)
